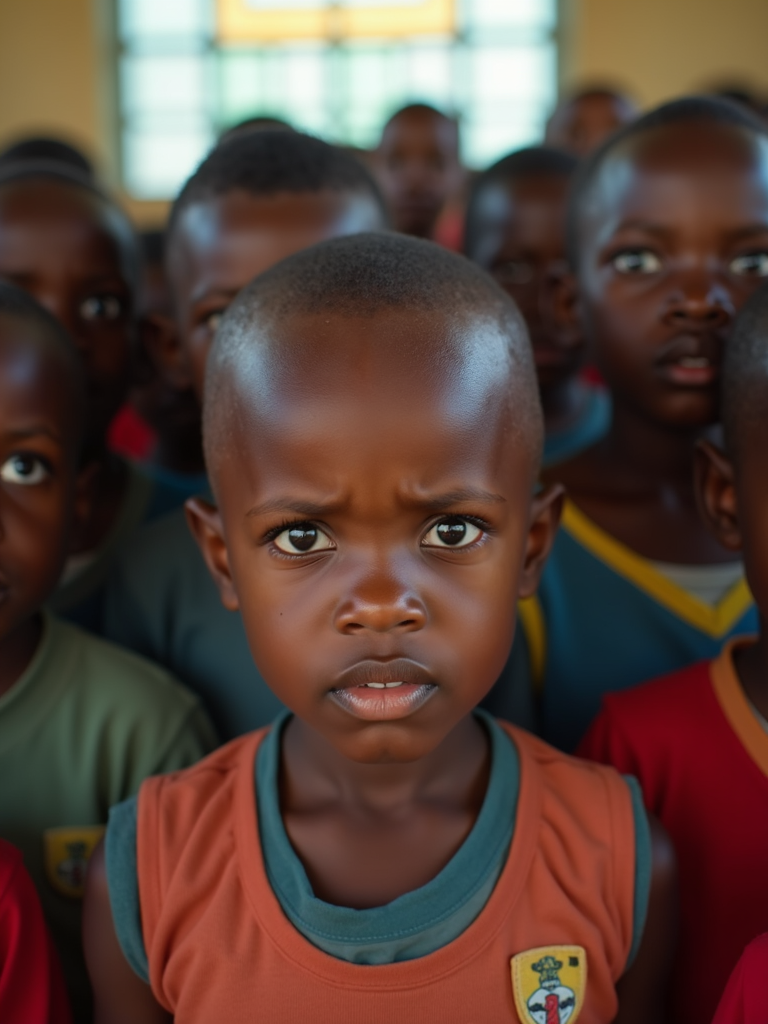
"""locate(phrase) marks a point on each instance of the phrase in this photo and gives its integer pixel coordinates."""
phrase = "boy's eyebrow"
(433, 502)
(660, 229)
(438, 502)
(298, 505)
(26, 433)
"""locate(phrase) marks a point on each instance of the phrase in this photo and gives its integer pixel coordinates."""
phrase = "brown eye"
(101, 307)
(452, 532)
(24, 469)
(751, 264)
(637, 261)
(302, 539)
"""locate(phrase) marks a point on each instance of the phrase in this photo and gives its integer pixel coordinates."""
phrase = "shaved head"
(449, 330)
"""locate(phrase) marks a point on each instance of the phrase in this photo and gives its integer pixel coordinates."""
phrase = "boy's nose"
(380, 605)
(701, 301)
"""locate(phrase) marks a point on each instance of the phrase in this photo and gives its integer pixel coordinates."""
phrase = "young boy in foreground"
(373, 433)
(515, 230)
(698, 740)
(81, 722)
(668, 237)
(254, 200)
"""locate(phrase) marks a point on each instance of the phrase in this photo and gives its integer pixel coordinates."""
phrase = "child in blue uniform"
(668, 237)
(515, 229)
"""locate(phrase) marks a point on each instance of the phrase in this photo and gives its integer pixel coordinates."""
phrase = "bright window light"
(191, 68)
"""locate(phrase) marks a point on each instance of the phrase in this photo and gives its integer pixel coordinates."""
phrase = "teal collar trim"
(419, 922)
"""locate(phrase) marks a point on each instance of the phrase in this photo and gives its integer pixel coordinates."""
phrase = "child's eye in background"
(636, 261)
(24, 469)
(101, 307)
(514, 272)
(213, 320)
(452, 532)
(302, 539)
(751, 264)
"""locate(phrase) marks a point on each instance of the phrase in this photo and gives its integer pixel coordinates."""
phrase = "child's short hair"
(68, 173)
(533, 162)
(361, 275)
(263, 163)
(711, 109)
(42, 147)
(745, 371)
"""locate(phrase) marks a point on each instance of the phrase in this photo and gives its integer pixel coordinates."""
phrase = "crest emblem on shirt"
(549, 984)
(67, 852)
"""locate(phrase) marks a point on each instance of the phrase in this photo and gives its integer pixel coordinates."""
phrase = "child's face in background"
(581, 124)
(521, 242)
(674, 241)
(221, 244)
(38, 455)
(418, 169)
(63, 245)
(378, 523)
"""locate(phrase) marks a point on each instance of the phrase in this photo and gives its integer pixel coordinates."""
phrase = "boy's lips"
(692, 361)
(383, 690)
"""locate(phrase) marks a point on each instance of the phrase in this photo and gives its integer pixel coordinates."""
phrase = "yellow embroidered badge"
(67, 852)
(549, 984)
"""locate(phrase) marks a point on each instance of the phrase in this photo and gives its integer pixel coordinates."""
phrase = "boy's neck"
(562, 403)
(456, 771)
(751, 664)
(651, 455)
(17, 651)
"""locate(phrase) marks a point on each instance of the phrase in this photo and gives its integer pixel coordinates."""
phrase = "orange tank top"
(220, 948)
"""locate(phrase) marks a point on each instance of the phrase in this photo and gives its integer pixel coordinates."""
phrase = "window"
(190, 68)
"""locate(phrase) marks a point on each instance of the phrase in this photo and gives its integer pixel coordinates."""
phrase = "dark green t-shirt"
(79, 731)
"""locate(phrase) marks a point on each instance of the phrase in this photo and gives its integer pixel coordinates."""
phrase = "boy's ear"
(204, 521)
(546, 509)
(563, 306)
(716, 493)
(161, 341)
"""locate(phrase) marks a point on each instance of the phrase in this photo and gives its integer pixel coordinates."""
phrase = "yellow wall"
(56, 60)
(661, 48)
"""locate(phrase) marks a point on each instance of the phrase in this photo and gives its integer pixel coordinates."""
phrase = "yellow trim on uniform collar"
(713, 621)
(735, 706)
(531, 617)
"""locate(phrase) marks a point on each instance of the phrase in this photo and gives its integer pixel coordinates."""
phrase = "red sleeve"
(745, 1000)
(607, 743)
(31, 983)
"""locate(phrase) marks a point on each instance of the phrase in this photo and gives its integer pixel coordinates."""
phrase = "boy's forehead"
(35, 208)
(237, 235)
(681, 160)
(394, 379)
(34, 377)
(420, 129)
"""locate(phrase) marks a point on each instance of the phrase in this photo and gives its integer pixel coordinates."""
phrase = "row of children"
(373, 439)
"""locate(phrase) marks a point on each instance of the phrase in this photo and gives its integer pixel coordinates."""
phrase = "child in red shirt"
(31, 984)
(697, 740)
(745, 1000)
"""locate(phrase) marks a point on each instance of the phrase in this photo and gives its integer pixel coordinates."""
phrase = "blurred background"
(145, 86)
